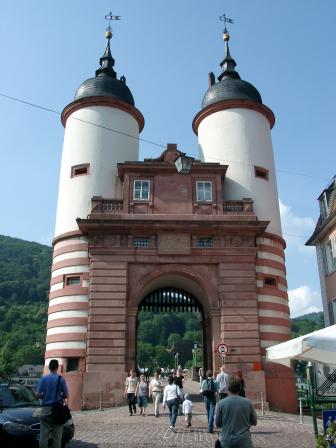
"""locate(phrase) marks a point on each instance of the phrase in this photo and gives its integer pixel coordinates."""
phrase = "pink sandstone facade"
(239, 286)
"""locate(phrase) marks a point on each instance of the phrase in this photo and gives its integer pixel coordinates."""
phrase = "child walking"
(187, 409)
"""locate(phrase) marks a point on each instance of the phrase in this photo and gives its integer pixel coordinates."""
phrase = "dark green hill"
(24, 271)
(307, 324)
(24, 285)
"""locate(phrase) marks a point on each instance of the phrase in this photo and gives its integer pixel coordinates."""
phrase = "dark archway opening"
(171, 331)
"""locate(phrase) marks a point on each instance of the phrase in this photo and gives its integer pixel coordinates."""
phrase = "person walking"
(222, 380)
(130, 390)
(171, 398)
(179, 380)
(155, 391)
(51, 389)
(235, 415)
(201, 376)
(142, 393)
(209, 390)
(240, 376)
(187, 409)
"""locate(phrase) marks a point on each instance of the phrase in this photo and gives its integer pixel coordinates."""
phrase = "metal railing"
(107, 206)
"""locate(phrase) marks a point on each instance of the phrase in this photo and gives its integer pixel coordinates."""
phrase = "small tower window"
(204, 191)
(261, 173)
(80, 170)
(270, 281)
(72, 280)
(141, 190)
(72, 365)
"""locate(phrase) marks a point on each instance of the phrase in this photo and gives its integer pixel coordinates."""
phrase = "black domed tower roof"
(105, 83)
(230, 85)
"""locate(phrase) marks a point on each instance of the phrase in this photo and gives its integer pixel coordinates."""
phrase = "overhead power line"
(47, 109)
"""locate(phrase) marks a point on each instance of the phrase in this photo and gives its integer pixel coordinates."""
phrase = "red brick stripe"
(274, 321)
(66, 337)
(273, 306)
(74, 306)
(271, 264)
(281, 337)
(65, 321)
(69, 291)
(274, 237)
(70, 248)
(65, 353)
(271, 250)
(72, 262)
(66, 236)
(272, 291)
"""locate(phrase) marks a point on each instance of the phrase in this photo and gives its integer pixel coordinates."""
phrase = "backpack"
(209, 388)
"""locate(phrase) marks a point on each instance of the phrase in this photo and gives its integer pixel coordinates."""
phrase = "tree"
(173, 338)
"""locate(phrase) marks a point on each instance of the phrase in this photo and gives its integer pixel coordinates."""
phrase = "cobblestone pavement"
(114, 428)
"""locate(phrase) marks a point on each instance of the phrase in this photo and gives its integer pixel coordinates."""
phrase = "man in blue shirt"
(51, 389)
(209, 389)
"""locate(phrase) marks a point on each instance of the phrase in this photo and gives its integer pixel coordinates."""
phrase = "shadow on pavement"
(81, 444)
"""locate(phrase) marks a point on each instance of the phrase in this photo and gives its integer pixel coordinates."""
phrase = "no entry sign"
(222, 349)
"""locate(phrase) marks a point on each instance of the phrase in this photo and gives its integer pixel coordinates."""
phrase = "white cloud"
(296, 229)
(304, 300)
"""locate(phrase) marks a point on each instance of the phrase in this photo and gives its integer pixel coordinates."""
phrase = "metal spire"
(107, 61)
(228, 64)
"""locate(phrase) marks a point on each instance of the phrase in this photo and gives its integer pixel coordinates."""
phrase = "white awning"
(318, 346)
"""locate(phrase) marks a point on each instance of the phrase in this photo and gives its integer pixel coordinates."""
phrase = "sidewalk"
(114, 428)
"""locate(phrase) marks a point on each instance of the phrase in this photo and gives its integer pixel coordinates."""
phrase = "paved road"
(114, 428)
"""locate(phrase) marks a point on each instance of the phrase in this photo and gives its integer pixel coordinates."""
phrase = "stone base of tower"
(90, 390)
(280, 388)
(103, 389)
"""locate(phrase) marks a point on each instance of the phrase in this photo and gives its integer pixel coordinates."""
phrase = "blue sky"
(166, 50)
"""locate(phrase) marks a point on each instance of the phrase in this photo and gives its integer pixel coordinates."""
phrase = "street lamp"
(176, 361)
(184, 163)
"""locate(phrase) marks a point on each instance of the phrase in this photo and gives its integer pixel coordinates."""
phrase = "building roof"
(327, 218)
(105, 83)
(230, 85)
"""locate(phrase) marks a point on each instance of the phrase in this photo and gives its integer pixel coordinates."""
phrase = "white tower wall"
(241, 138)
(86, 143)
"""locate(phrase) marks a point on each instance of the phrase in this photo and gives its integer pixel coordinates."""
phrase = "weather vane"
(226, 20)
(110, 17)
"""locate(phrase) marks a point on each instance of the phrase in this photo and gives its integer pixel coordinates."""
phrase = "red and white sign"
(223, 349)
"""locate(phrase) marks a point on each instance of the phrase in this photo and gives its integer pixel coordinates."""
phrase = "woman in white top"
(155, 390)
(130, 389)
(171, 397)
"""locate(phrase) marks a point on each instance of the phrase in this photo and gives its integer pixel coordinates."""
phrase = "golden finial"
(110, 17)
(226, 36)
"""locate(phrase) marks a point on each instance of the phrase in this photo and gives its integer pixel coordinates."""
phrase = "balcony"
(116, 206)
(244, 207)
(100, 205)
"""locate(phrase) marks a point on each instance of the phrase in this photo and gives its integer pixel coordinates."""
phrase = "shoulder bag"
(60, 412)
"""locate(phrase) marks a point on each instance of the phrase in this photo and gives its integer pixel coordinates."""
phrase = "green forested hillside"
(24, 271)
(24, 285)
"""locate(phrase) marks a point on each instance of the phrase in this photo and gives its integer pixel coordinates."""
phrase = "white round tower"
(234, 128)
(102, 128)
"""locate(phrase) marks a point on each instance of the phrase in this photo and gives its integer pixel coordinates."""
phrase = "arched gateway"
(127, 229)
(179, 300)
